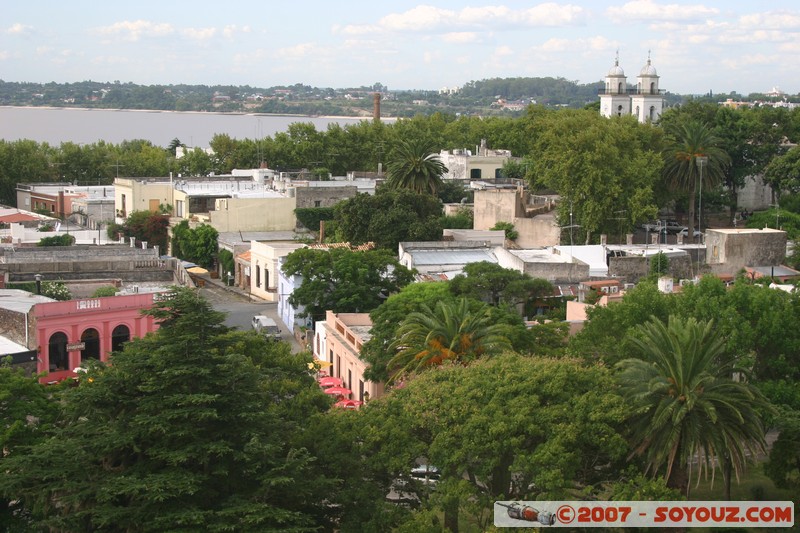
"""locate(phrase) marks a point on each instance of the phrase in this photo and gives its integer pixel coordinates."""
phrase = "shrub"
(109, 290)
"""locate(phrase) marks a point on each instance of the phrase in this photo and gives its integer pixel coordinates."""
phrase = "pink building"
(339, 340)
(68, 333)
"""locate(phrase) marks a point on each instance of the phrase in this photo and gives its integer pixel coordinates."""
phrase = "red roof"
(17, 217)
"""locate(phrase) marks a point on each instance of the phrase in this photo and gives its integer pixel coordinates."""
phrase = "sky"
(696, 47)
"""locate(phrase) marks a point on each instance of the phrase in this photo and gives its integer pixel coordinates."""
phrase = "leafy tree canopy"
(388, 218)
(505, 427)
(343, 281)
(192, 428)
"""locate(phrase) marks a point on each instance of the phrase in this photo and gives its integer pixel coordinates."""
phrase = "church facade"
(645, 101)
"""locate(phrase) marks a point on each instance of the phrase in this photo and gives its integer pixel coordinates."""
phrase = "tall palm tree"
(688, 141)
(686, 406)
(449, 332)
(415, 165)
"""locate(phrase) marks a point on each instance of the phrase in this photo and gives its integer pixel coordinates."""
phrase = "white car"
(685, 231)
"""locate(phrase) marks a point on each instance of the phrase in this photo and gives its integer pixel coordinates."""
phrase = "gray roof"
(20, 301)
(451, 256)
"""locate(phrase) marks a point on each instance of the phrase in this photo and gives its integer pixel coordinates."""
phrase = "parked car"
(671, 227)
(267, 327)
(685, 231)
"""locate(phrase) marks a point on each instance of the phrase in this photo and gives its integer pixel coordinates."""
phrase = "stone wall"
(326, 196)
(12, 326)
(558, 272)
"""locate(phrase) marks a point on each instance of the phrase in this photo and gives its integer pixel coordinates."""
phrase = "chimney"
(376, 107)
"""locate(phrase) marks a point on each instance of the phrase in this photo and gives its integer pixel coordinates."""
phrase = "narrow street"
(240, 309)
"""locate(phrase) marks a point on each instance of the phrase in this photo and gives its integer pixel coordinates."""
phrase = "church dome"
(648, 69)
(616, 70)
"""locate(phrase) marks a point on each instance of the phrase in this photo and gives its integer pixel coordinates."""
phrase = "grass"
(752, 485)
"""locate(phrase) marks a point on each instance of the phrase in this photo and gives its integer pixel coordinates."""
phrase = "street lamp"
(701, 161)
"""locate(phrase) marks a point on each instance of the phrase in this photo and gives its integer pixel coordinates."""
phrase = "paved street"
(240, 309)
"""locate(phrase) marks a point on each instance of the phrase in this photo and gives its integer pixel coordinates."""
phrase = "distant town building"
(645, 101)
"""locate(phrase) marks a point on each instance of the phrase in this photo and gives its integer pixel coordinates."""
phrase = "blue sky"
(744, 46)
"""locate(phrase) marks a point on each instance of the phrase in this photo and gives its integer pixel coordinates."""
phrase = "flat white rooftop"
(20, 301)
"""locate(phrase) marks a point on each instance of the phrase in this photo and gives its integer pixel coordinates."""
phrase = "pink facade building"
(339, 340)
(71, 332)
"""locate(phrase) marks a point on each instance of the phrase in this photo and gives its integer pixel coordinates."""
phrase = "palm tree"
(449, 332)
(690, 140)
(686, 404)
(415, 165)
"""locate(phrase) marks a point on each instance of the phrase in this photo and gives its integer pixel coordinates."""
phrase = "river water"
(194, 129)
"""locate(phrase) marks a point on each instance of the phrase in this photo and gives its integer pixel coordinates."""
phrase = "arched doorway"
(91, 344)
(119, 336)
(57, 352)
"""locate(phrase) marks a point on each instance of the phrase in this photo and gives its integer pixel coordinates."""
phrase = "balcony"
(632, 91)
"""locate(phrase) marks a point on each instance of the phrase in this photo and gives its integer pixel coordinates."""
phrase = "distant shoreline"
(221, 113)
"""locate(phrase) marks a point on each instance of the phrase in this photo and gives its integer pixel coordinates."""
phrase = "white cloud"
(503, 51)
(648, 11)
(231, 30)
(19, 29)
(597, 43)
(300, 51)
(199, 34)
(553, 15)
(430, 19)
(749, 60)
(111, 60)
(461, 37)
(136, 29)
(4, 54)
(778, 20)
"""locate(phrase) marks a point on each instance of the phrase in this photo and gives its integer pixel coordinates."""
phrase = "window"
(57, 352)
(333, 373)
(361, 390)
(475, 174)
(349, 378)
(266, 278)
(652, 112)
(119, 336)
(317, 203)
(179, 208)
(91, 344)
(258, 276)
(619, 110)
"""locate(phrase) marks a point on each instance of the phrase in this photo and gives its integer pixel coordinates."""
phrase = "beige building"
(533, 217)
(729, 250)
(484, 164)
(264, 267)
(339, 340)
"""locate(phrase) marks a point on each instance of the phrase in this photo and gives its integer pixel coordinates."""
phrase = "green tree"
(686, 404)
(451, 332)
(343, 281)
(108, 290)
(687, 142)
(783, 467)
(56, 290)
(504, 427)
(498, 286)
(198, 245)
(193, 428)
(606, 334)
(57, 240)
(783, 173)
(388, 218)
(659, 264)
(415, 165)
(147, 226)
(508, 228)
(27, 411)
(605, 170)
(387, 317)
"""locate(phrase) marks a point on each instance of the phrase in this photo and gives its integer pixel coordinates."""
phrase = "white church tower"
(645, 102)
(614, 99)
(648, 101)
